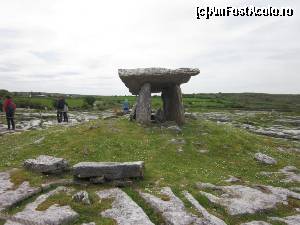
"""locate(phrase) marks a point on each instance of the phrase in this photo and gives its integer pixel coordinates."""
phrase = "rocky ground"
(226, 170)
(27, 119)
(273, 124)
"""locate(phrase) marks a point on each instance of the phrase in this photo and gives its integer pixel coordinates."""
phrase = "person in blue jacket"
(126, 106)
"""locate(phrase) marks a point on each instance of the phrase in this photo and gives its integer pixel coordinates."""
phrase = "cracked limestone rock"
(238, 199)
(209, 218)
(173, 210)
(289, 220)
(256, 223)
(54, 215)
(124, 210)
(9, 195)
(292, 174)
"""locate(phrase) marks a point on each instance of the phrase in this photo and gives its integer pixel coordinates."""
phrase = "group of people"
(9, 108)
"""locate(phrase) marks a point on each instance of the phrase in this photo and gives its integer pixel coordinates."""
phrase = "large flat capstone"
(159, 78)
(109, 170)
(46, 164)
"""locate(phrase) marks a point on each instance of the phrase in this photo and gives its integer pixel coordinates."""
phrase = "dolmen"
(100, 172)
(47, 164)
(144, 81)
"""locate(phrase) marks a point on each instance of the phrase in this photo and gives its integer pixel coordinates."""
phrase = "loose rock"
(179, 141)
(39, 141)
(82, 196)
(124, 210)
(232, 179)
(175, 129)
(202, 151)
(265, 158)
(47, 164)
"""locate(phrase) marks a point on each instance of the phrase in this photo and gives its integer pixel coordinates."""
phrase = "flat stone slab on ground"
(54, 215)
(159, 78)
(291, 174)
(109, 170)
(238, 199)
(209, 218)
(173, 210)
(289, 220)
(124, 210)
(11, 195)
(46, 164)
(256, 223)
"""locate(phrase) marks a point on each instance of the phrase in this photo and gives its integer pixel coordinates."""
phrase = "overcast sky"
(77, 46)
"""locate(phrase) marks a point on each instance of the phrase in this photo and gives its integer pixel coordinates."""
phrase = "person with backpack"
(9, 107)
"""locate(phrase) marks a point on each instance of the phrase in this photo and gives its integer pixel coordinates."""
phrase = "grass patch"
(230, 152)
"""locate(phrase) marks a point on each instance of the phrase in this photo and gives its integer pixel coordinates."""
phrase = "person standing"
(60, 104)
(65, 112)
(9, 107)
(126, 106)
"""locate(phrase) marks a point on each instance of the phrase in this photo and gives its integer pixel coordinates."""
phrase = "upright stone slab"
(143, 107)
(173, 106)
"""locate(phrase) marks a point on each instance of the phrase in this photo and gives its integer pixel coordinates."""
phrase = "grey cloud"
(48, 56)
(8, 67)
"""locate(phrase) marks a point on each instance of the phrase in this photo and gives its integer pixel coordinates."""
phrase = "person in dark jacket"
(9, 107)
(60, 105)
